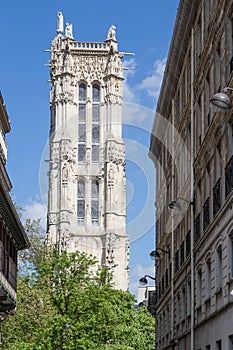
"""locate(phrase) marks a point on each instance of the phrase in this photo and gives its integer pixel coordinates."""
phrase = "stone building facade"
(192, 147)
(87, 185)
(12, 235)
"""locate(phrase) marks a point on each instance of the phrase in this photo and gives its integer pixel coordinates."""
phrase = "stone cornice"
(4, 116)
(179, 43)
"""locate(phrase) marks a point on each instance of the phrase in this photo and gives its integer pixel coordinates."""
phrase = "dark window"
(82, 124)
(95, 122)
(82, 92)
(206, 214)
(217, 197)
(95, 202)
(229, 177)
(182, 253)
(197, 231)
(81, 152)
(188, 244)
(95, 153)
(96, 93)
(177, 261)
(219, 345)
(95, 134)
(95, 113)
(81, 202)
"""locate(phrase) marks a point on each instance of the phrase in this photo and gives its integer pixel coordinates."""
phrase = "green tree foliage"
(65, 301)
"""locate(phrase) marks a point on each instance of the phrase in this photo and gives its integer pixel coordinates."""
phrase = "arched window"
(219, 267)
(82, 123)
(95, 122)
(81, 202)
(95, 201)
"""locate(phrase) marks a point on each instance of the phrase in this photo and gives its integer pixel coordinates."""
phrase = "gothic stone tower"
(87, 185)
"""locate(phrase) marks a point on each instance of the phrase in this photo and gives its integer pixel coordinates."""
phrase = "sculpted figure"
(60, 23)
(69, 30)
(112, 33)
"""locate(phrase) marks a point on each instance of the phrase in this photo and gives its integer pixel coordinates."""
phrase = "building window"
(199, 287)
(197, 227)
(206, 214)
(182, 253)
(217, 197)
(231, 255)
(183, 303)
(82, 123)
(229, 177)
(189, 298)
(95, 202)
(231, 58)
(177, 262)
(231, 342)
(219, 268)
(218, 69)
(219, 345)
(208, 279)
(188, 244)
(95, 122)
(81, 202)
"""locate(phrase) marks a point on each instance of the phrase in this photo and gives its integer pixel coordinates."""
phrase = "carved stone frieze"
(90, 68)
(115, 152)
(52, 218)
(65, 149)
(64, 216)
(54, 151)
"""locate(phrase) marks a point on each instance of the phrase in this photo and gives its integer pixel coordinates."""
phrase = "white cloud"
(152, 83)
(128, 91)
(35, 210)
(138, 272)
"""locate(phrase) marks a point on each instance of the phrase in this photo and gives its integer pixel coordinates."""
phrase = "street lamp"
(143, 280)
(221, 99)
(155, 253)
(175, 205)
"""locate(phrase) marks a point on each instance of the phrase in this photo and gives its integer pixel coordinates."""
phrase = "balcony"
(229, 177)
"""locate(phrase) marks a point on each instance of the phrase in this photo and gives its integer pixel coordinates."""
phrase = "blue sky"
(143, 28)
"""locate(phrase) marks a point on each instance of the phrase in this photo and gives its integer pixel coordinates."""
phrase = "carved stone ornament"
(69, 31)
(60, 23)
(111, 33)
(90, 68)
(64, 216)
(65, 147)
(52, 218)
(115, 152)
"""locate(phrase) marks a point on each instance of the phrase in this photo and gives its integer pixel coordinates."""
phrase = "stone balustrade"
(89, 46)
